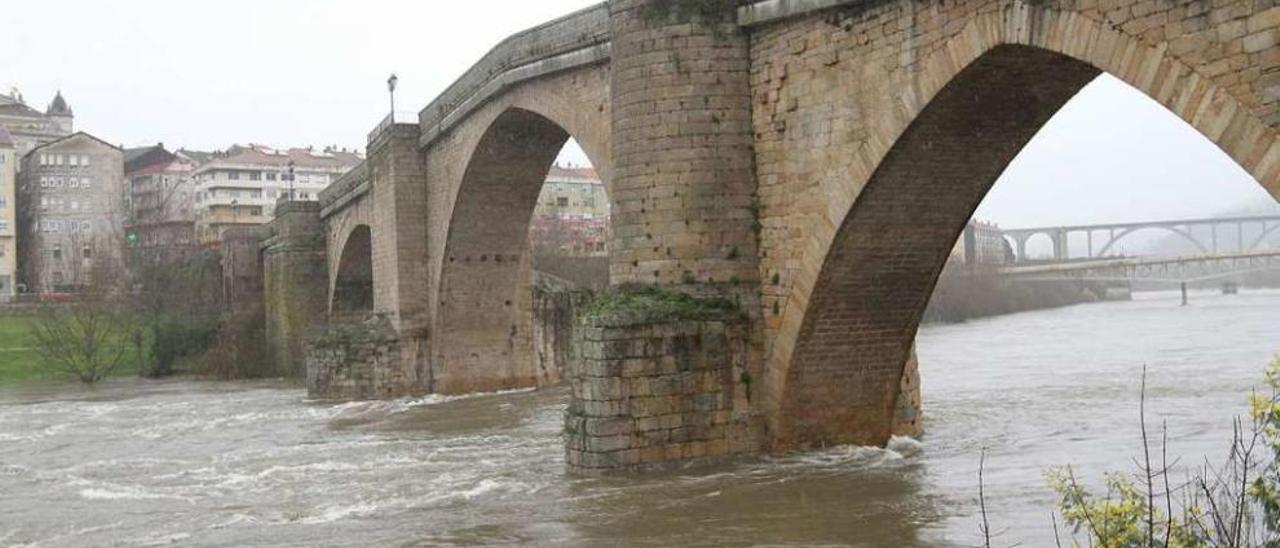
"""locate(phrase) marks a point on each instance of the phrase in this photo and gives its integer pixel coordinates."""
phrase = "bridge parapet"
(350, 185)
(578, 39)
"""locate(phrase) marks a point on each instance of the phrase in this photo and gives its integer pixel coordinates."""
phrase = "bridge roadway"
(1173, 270)
(1206, 244)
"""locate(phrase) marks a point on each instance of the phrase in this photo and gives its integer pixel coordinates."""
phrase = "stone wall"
(358, 361)
(294, 271)
(662, 395)
(555, 305)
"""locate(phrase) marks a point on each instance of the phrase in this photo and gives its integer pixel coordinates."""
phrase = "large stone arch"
(351, 284)
(495, 164)
(953, 104)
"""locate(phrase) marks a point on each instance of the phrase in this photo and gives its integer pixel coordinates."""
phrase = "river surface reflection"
(211, 464)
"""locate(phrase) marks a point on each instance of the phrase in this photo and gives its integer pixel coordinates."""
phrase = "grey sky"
(296, 72)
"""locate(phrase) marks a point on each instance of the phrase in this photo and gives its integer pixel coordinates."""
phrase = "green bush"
(172, 340)
(1234, 504)
(635, 304)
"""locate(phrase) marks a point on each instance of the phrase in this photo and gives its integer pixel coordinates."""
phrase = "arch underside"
(863, 314)
(483, 328)
(352, 291)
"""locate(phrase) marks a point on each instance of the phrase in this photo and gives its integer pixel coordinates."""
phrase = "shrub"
(639, 304)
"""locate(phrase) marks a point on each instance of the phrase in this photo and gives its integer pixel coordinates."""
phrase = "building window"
(255, 175)
(87, 253)
(84, 161)
(233, 175)
(271, 176)
(57, 252)
(562, 201)
(73, 160)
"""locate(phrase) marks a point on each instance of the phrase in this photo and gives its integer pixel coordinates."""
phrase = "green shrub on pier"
(635, 304)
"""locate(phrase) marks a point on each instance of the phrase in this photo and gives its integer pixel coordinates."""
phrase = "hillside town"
(73, 202)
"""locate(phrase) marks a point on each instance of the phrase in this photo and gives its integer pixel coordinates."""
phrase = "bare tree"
(85, 340)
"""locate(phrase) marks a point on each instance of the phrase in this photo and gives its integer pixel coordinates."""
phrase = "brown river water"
(190, 463)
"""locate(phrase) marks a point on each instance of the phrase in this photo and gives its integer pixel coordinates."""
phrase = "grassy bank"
(20, 363)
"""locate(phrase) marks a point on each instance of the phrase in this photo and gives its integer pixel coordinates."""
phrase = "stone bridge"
(812, 161)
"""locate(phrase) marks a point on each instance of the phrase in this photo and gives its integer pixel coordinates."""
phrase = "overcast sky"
(312, 72)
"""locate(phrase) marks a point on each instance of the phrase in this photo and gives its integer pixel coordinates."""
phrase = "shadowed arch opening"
(353, 284)
(842, 379)
(485, 334)
(842, 382)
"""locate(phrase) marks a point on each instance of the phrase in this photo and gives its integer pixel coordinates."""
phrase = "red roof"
(587, 173)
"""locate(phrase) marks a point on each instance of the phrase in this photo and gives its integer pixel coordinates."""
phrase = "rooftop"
(261, 155)
(584, 174)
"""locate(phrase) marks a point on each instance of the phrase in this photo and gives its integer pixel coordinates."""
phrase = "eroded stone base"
(657, 396)
(359, 361)
(908, 411)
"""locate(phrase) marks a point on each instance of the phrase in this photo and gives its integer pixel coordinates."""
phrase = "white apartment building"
(241, 186)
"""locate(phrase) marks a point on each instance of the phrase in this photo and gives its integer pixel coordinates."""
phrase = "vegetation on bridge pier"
(635, 304)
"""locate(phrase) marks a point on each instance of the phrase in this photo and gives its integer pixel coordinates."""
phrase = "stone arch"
(1037, 240)
(968, 106)
(1184, 234)
(351, 290)
(483, 333)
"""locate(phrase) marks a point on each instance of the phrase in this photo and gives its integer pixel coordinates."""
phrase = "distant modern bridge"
(1170, 270)
(1209, 236)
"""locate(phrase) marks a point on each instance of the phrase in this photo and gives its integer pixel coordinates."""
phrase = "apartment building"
(71, 214)
(572, 215)
(240, 187)
(8, 220)
(160, 200)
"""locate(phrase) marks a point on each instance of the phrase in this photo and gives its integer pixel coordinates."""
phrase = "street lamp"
(391, 87)
(289, 177)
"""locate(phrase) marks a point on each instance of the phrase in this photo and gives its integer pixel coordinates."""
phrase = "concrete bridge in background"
(812, 161)
(1227, 267)
(1208, 236)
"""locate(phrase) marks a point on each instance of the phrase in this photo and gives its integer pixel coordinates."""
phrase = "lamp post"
(391, 88)
(288, 176)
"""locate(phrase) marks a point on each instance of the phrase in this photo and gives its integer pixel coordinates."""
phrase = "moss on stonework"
(636, 304)
(689, 11)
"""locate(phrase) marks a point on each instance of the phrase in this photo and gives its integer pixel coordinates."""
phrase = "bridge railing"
(391, 119)
(577, 31)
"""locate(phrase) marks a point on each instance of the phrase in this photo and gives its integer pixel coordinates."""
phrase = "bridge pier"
(669, 391)
(293, 264)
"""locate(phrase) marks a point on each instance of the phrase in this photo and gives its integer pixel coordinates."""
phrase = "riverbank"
(962, 297)
(21, 363)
